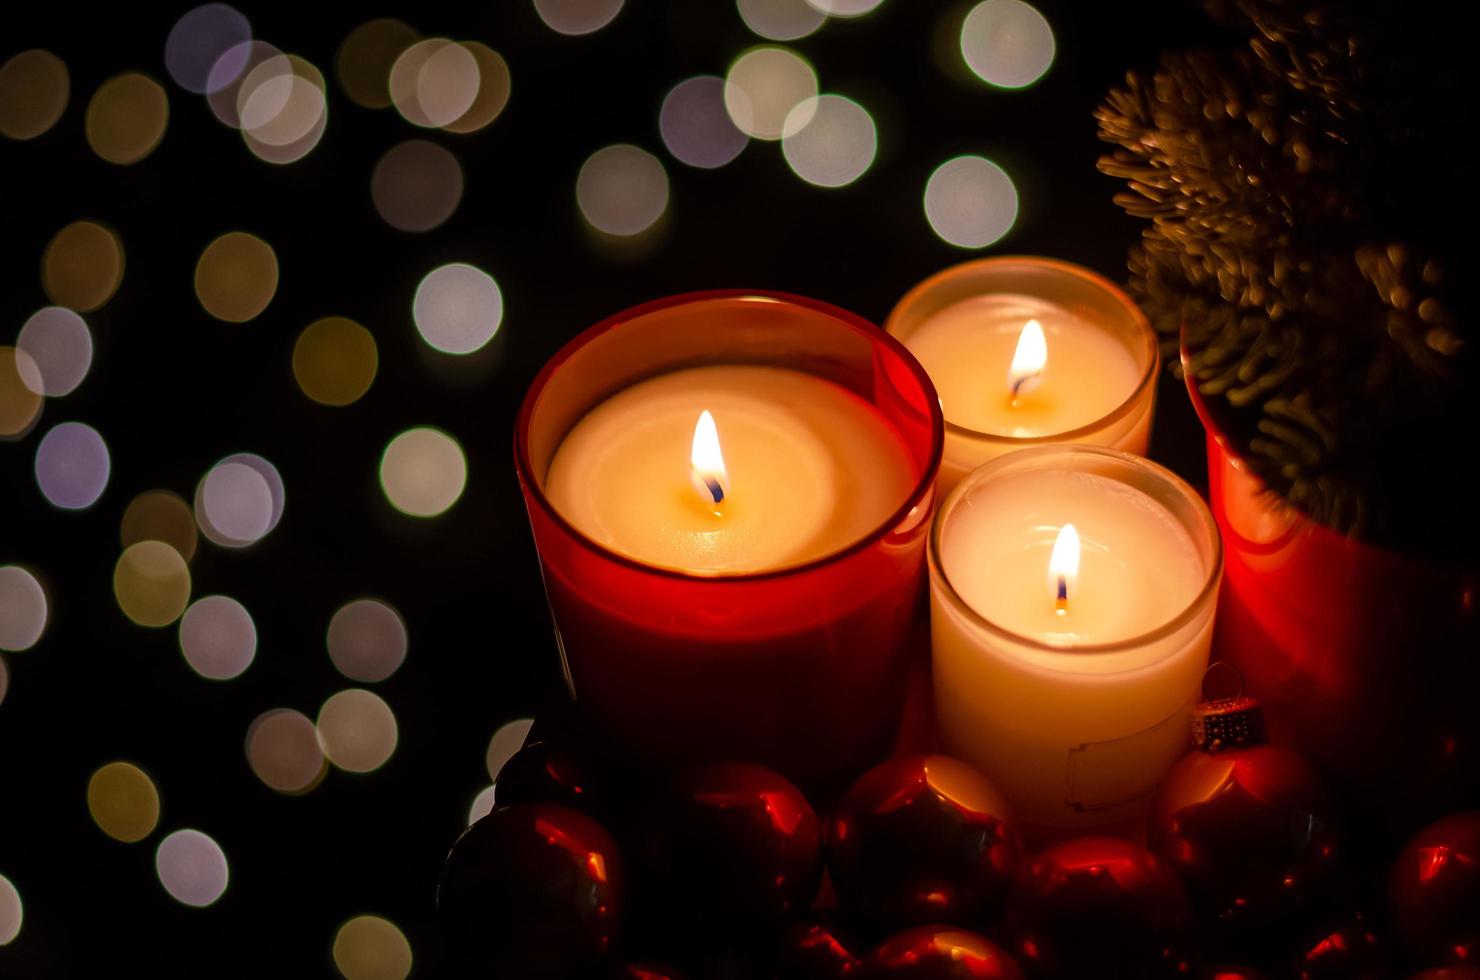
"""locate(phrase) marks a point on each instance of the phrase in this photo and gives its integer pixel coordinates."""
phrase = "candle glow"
(1028, 360)
(707, 463)
(1063, 567)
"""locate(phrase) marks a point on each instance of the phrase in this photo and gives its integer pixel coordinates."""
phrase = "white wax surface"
(1139, 568)
(967, 349)
(812, 469)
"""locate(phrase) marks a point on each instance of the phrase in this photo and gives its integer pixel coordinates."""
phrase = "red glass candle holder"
(801, 668)
(1364, 657)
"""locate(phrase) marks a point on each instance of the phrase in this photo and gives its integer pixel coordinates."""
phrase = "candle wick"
(716, 491)
(1061, 600)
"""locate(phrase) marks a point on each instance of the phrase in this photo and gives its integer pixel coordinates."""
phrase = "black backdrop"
(173, 390)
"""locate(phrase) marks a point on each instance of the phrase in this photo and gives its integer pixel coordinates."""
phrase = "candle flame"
(1063, 567)
(707, 463)
(1028, 360)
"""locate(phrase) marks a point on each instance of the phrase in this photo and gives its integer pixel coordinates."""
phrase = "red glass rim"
(1137, 315)
(874, 334)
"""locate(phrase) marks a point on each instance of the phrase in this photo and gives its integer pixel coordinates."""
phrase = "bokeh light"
(218, 637)
(481, 806)
(82, 266)
(151, 583)
(622, 190)
(835, 146)
(160, 515)
(357, 730)
(224, 83)
(34, 87)
(335, 360)
(283, 751)
(1007, 43)
(72, 466)
(457, 308)
(416, 185)
(970, 202)
(423, 472)
(368, 947)
(237, 497)
(22, 609)
(695, 126)
(198, 41)
(20, 405)
(762, 88)
(282, 109)
(505, 742)
(123, 802)
(12, 912)
(126, 118)
(236, 277)
(58, 342)
(780, 20)
(367, 640)
(235, 503)
(363, 64)
(4, 680)
(577, 16)
(494, 86)
(434, 82)
(845, 8)
(192, 868)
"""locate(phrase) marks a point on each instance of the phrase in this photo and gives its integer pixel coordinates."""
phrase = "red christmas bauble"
(1099, 906)
(1449, 973)
(1231, 973)
(644, 971)
(1435, 891)
(547, 772)
(1246, 831)
(817, 949)
(922, 839)
(532, 890)
(939, 953)
(738, 847)
(1348, 950)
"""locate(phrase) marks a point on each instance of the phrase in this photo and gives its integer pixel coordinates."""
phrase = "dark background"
(173, 390)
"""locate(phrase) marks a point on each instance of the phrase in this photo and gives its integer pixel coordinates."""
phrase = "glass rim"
(1204, 595)
(1137, 316)
(923, 487)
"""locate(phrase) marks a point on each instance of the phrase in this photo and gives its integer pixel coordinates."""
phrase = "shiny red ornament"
(533, 890)
(1435, 891)
(644, 971)
(1449, 973)
(547, 772)
(1099, 907)
(939, 953)
(1349, 950)
(739, 847)
(922, 839)
(1231, 973)
(816, 948)
(1244, 824)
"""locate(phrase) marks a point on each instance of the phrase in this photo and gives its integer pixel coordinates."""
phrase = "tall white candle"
(802, 468)
(1090, 358)
(1069, 676)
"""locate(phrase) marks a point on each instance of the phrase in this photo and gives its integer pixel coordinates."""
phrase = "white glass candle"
(1027, 351)
(725, 469)
(1072, 598)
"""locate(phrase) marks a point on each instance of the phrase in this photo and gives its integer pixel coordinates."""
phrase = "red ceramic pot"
(1366, 659)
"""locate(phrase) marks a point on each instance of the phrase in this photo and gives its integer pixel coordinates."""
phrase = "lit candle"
(1072, 599)
(805, 468)
(1026, 351)
(730, 494)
